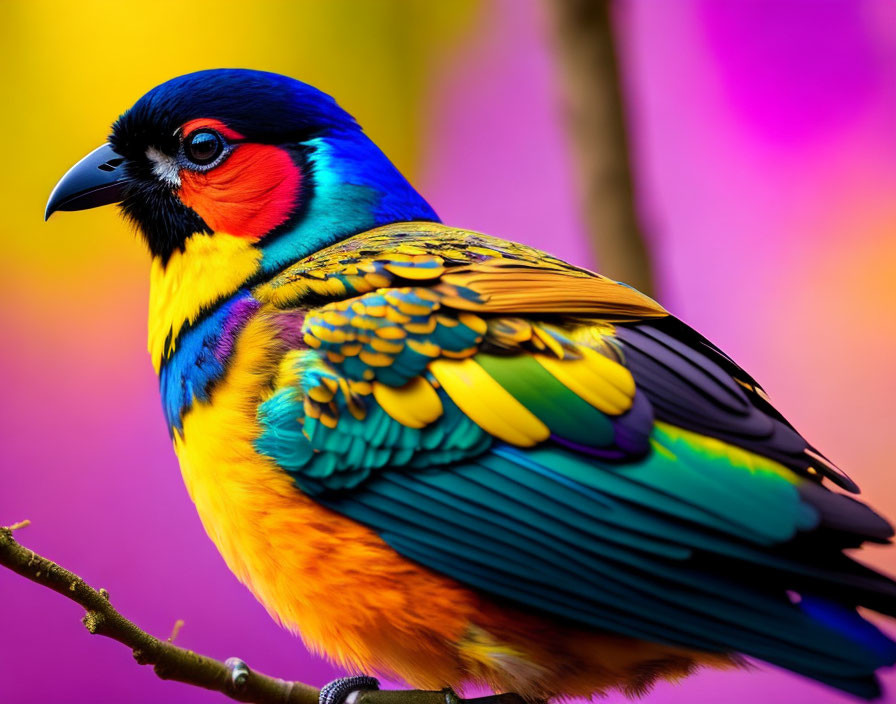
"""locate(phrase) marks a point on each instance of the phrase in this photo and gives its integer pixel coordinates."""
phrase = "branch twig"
(171, 662)
(589, 77)
(175, 630)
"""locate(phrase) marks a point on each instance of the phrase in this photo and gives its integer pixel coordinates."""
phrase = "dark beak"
(97, 179)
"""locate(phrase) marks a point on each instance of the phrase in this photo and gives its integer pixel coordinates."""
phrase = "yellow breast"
(209, 268)
(332, 580)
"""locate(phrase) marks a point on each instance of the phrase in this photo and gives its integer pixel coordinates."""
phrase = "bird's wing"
(562, 443)
(474, 272)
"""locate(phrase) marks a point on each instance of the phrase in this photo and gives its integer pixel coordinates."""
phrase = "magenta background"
(765, 139)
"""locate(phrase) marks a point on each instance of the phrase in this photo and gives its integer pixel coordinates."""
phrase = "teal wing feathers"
(612, 547)
(553, 438)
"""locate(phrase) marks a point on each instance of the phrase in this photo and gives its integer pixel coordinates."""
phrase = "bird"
(453, 459)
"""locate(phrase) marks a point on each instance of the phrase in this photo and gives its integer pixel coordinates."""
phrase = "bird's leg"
(346, 689)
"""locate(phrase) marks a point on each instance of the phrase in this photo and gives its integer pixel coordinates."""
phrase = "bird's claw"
(239, 673)
(341, 691)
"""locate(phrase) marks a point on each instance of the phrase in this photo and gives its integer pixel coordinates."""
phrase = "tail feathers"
(864, 586)
(845, 514)
(847, 621)
(878, 650)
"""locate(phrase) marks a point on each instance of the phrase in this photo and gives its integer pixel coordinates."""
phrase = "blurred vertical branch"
(583, 42)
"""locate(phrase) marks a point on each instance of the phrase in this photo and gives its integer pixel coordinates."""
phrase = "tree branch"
(589, 77)
(170, 662)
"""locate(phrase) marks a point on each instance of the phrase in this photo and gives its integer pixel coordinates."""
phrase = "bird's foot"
(346, 689)
(239, 673)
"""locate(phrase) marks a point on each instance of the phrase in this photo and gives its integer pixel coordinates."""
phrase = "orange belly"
(353, 598)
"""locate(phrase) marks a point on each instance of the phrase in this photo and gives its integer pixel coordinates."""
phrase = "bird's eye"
(203, 147)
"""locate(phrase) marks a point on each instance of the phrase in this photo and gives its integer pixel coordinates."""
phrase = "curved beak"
(98, 179)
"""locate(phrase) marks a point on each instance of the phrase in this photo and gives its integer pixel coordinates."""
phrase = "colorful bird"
(451, 458)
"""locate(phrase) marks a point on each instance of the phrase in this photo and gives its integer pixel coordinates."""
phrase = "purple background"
(765, 150)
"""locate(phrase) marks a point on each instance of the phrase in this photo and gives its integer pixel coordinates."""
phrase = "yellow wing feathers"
(417, 304)
(488, 403)
(415, 405)
(470, 271)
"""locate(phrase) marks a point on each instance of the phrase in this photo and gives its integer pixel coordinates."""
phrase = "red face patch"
(250, 193)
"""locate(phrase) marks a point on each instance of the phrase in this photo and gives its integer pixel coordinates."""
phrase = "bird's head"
(246, 154)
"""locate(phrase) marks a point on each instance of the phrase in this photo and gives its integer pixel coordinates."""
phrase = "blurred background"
(764, 155)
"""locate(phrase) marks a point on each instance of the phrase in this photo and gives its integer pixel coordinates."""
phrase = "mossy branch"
(170, 662)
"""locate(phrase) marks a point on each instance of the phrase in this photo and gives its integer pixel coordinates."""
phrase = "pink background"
(765, 152)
